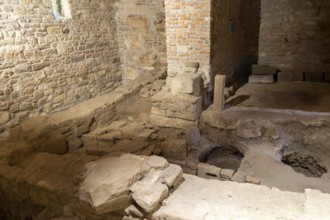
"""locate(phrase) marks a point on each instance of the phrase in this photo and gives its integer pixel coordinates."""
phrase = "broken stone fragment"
(157, 162)
(149, 197)
(107, 182)
(227, 173)
(133, 211)
(173, 175)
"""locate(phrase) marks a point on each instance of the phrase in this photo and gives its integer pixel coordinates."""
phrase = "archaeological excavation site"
(164, 109)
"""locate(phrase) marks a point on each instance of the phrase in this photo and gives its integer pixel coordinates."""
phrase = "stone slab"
(265, 79)
(288, 76)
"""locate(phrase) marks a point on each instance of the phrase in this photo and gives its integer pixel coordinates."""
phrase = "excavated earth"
(81, 163)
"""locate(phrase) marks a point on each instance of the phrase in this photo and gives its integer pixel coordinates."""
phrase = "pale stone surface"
(102, 186)
(173, 175)
(157, 162)
(187, 84)
(149, 197)
(198, 198)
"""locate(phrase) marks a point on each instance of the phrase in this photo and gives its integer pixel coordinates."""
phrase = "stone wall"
(188, 32)
(48, 64)
(141, 36)
(294, 35)
(235, 33)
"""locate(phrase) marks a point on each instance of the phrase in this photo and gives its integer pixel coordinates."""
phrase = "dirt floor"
(305, 96)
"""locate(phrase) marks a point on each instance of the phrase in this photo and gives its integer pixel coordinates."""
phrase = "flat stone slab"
(200, 199)
(109, 179)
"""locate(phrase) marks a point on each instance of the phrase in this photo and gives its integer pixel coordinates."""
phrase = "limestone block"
(187, 84)
(227, 173)
(314, 77)
(149, 197)
(263, 70)
(157, 162)
(287, 76)
(173, 175)
(175, 149)
(261, 79)
(107, 182)
(208, 171)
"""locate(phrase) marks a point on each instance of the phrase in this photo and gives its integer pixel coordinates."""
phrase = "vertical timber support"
(219, 92)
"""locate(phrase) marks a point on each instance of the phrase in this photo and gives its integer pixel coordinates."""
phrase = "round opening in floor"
(307, 165)
(225, 157)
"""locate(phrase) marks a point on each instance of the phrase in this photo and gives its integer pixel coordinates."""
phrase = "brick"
(208, 171)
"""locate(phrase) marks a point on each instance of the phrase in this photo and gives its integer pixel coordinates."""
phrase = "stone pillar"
(188, 55)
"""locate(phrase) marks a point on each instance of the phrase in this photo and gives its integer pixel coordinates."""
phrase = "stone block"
(208, 171)
(138, 23)
(327, 77)
(227, 173)
(288, 76)
(263, 79)
(314, 77)
(253, 180)
(107, 183)
(157, 162)
(263, 70)
(187, 84)
(173, 175)
(149, 196)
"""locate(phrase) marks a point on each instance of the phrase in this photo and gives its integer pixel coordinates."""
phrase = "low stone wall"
(48, 63)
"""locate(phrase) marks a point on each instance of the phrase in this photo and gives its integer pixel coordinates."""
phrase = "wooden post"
(219, 92)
